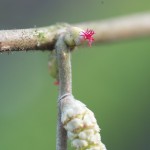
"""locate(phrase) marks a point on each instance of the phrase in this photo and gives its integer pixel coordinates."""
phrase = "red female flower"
(87, 35)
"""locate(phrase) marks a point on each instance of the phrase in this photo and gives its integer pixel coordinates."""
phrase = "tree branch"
(45, 38)
(30, 39)
(127, 27)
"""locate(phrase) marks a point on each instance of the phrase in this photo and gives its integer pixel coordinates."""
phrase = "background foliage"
(113, 79)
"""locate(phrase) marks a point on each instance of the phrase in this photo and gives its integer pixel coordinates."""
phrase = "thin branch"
(127, 27)
(30, 39)
(65, 87)
(106, 31)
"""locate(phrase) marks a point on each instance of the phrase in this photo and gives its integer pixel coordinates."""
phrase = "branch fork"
(63, 38)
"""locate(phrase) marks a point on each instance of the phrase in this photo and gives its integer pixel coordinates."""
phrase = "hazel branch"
(30, 39)
(42, 39)
(127, 27)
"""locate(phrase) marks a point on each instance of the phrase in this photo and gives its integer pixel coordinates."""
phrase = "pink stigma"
(87, 35)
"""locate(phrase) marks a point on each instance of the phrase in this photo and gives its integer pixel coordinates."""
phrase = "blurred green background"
(113, 79)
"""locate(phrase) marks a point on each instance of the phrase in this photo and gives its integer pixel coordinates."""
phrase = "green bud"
(53, 66)
(73, 38)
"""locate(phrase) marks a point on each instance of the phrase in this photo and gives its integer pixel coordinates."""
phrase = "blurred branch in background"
(120, 28)
(42, 39)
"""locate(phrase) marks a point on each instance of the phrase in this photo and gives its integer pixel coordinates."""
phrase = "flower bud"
(72, 37)
(53, 67)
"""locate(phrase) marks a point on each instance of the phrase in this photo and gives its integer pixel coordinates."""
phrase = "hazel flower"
(81, 125)
(75, 36)
(88, 35)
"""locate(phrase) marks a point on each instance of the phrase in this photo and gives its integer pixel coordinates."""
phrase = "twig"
(30, 39)
(65, 87)
(45, 38)
(110, 30)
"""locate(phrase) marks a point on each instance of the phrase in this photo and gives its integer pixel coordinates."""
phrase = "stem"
(42, 39)
(64, 65)
(65, 86)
